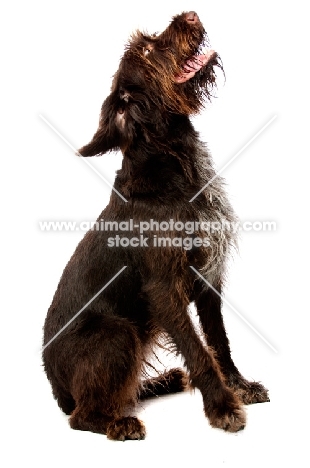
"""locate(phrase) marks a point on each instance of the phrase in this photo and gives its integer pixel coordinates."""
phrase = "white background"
(58, 59)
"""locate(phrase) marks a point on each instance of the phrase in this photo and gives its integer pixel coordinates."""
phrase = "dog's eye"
(147, 50)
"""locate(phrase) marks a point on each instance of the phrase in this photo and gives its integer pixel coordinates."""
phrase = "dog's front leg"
(168, 307)
(209, 305)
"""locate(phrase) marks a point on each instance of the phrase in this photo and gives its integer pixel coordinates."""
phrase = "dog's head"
(158, 76)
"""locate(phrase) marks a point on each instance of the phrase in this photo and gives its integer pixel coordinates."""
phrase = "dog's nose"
(191, 17)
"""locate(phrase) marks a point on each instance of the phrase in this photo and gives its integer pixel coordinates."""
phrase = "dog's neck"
(169, 160)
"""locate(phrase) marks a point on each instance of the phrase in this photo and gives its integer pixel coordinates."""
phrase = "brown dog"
(95, 364)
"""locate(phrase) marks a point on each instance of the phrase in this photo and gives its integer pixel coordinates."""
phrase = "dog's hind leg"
(105, 380)
(209, 304)
(64, 399)
(171, 381)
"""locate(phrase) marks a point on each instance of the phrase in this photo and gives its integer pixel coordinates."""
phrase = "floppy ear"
(108, 136)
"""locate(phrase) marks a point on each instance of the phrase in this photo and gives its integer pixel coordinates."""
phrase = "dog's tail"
(172, 381)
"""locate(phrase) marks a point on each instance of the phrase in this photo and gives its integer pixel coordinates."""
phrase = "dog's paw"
(254, 392)
(126, 428)
(231, 421)
(176, 380)
(226, 412)
(250, 392)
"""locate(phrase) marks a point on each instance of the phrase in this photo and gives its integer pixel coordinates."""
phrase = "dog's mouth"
(195, 64)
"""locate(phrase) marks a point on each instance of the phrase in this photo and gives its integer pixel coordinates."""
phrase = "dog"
(95, 360)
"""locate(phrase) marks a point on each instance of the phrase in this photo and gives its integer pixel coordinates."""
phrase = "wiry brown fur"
(95, 364)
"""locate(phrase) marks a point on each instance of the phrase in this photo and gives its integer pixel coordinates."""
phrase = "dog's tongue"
(192, 66)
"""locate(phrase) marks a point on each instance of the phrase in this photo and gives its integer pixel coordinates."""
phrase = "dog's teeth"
(205, 50)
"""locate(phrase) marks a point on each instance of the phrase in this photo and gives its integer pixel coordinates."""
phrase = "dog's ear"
(108, 136)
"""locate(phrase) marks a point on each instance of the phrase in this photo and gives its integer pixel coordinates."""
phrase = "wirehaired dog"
(95, 365)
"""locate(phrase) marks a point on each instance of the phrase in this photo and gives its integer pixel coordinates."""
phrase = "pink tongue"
(192, 66)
